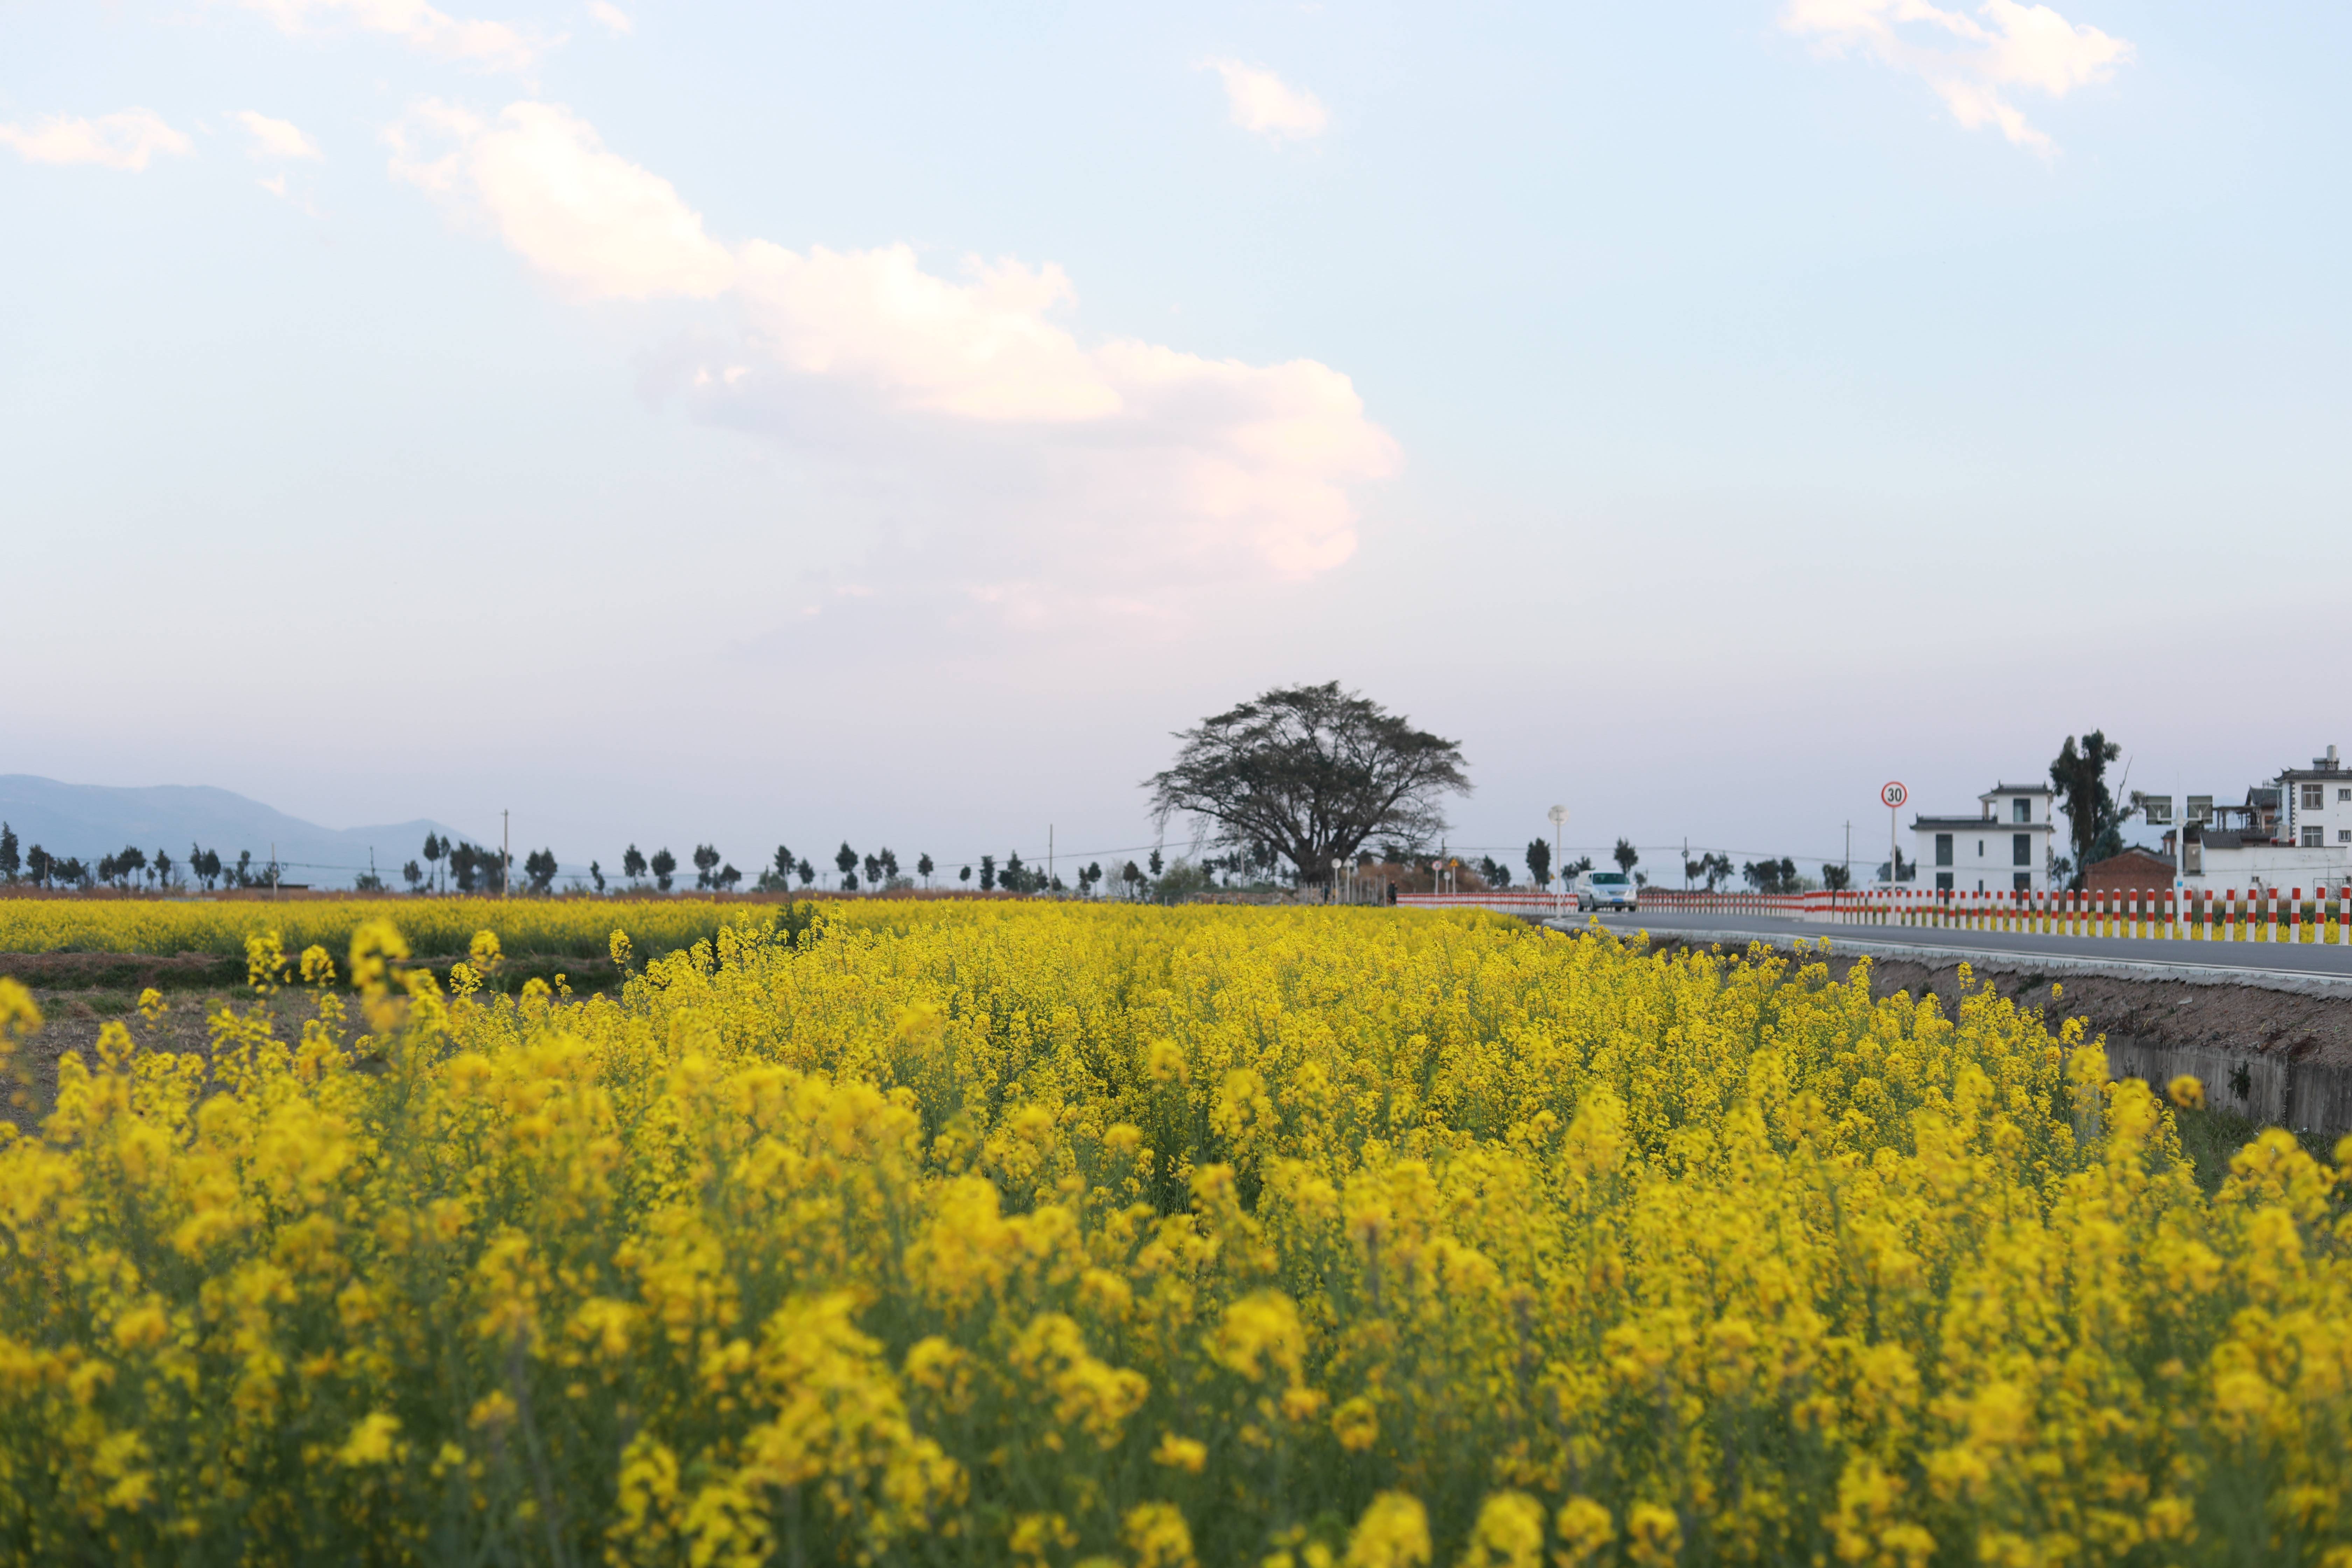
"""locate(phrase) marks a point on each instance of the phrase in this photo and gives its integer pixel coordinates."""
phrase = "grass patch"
(2209, 1136)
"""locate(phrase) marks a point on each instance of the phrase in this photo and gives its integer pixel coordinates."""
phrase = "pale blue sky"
(1705, 413)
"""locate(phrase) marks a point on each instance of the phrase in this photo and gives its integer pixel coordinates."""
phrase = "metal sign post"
(1893, 795)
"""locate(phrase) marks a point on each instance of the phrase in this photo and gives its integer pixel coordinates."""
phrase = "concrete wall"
(2307, 1096)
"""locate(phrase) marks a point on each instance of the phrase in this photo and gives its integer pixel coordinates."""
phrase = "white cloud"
(1121, 459)
(274, 139)
(493, 45)
(1260, 101)
(122, 140)
(596, 225)
(980, 349)
(1969, 61)
(615, 20)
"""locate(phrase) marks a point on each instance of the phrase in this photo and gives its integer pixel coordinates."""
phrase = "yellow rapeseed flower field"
(1045, 1234)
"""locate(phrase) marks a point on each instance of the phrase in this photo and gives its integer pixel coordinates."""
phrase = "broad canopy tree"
(1310, 771)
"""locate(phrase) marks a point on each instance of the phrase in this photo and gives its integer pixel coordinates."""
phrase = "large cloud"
(596, 226)
(1042, 457)
(1971, 62)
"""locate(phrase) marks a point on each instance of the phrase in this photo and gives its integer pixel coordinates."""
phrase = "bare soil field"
(71, 1020)
(80, 993)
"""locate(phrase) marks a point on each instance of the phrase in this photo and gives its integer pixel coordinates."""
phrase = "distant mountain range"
(86, 821)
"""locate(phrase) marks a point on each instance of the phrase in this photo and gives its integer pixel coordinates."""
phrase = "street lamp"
(1335, 879)
(1559, 815)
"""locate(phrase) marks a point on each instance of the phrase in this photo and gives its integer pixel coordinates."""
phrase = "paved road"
(2313, 965)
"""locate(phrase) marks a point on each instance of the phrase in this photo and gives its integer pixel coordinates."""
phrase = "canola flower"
(580, 927)
(1052, 1234)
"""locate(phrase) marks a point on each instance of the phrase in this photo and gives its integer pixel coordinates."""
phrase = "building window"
(2022, 882)
(2020, 850)
(1943, 856)
(2021, 811)
(2344, 836)
(2344, 795)
(2314, 796)
(1942, 882)
(1980, 855)
(2312, 838)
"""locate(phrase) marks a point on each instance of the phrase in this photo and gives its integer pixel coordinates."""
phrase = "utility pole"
(1049, 857)
(506, 853)
(273, 868)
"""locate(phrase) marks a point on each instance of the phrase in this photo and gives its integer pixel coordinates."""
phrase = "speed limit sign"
(1893, 795)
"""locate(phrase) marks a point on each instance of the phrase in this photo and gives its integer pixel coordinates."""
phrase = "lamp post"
(1335, 879)
(1559, 815)
(2180, 862)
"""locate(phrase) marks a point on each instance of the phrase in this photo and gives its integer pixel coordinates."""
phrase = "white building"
(2319, 804)
(2296, 831)
(2004, 847)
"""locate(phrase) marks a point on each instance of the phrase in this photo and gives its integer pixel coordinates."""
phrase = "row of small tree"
(448, 865)
(454, 865)
(130, 866)
(471, 869)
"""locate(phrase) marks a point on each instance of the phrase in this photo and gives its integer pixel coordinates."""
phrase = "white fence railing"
(2259, 914)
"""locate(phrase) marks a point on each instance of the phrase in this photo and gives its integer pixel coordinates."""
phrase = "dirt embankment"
(2278, 1057)
(130, 972)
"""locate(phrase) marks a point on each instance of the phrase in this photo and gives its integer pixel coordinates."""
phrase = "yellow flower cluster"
(575, 926)
(1079, 1235)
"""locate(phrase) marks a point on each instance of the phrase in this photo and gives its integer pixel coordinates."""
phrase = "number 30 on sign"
(1893, 795)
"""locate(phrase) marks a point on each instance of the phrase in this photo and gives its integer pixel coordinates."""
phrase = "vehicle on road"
(1606, 891)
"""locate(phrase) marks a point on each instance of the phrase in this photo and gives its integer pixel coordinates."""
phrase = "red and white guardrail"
(2259, 914)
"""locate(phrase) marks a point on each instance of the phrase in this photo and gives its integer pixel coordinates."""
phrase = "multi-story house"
(2317, 802)
(2004, 847)
(2296, 831)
